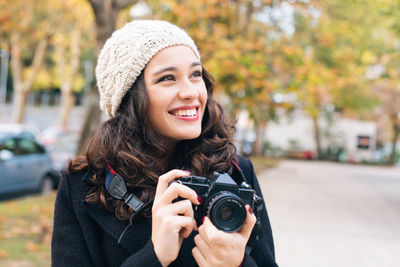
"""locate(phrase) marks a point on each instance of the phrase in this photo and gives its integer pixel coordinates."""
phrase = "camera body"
(223, 200)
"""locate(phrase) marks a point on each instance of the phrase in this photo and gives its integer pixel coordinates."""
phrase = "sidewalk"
(330, 215)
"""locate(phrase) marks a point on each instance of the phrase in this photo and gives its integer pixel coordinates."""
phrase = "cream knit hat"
(126, 53)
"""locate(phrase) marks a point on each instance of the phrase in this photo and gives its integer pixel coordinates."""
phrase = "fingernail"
(188, 172)
(250, 210)
(200, 199)
(203, 219)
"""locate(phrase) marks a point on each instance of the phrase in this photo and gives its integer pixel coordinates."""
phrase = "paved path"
(328, 214)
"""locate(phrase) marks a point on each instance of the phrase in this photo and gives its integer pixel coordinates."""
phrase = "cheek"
(154, 107)
(203, 95)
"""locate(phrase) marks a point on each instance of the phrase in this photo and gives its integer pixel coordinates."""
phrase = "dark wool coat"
(85, 234)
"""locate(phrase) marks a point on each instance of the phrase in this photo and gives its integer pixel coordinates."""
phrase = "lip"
(195, 118)
(184, 108)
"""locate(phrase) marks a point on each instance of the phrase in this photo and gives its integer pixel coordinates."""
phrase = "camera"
(223, 200)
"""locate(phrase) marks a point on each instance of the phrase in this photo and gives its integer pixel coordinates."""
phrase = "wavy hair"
(133, 148)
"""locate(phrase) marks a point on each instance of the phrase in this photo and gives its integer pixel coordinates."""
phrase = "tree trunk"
(67, 79)
(317, 136)
(67, 103)
(92, 118)
(20, 97)
(105, 13)
(396, 133)
(258, 144)
(21, 86)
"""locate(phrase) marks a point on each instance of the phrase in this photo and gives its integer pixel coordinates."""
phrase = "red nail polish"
(200, 199)
(250, 210)
(203, 219)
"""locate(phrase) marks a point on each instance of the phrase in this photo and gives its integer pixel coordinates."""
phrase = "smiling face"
(177, 93)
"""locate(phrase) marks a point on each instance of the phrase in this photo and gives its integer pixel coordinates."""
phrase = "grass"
(262, 163)
(25, 231)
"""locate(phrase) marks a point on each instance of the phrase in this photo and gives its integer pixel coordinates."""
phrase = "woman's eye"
(197, 74)
(166, 78)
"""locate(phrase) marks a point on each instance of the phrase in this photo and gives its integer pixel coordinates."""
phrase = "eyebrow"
(194, 64)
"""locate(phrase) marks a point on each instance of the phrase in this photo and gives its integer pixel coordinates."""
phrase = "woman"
(164, 125)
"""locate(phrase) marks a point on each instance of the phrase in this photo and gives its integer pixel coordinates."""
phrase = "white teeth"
(185, 112)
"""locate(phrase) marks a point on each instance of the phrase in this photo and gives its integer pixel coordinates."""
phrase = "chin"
(189, 136)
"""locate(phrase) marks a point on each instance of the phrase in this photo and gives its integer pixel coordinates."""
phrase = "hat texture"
(126, 53)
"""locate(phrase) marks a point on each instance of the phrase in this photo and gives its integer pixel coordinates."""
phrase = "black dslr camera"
(223, 200)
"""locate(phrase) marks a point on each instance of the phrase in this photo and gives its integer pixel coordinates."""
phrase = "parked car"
(61, 144)
(25, 165)
(55, 136)
(21, 130)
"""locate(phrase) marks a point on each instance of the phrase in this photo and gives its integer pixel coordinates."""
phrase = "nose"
(188, 90)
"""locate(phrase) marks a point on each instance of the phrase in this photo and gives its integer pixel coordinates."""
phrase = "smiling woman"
(124, 202)
(177, 93)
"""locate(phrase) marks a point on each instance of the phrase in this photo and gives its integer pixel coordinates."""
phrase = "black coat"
(85, 234)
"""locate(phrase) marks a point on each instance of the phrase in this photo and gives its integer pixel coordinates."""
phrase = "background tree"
(389, 59)
(330, 38)
(105, 14)
(25, 29)
(75, 34)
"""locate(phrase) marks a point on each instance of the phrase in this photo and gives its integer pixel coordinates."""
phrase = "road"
(329, 214)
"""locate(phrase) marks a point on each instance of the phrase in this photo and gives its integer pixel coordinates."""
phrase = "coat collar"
(112, 225)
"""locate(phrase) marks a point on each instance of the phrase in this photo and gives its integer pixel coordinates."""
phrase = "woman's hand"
(217, 248)
(171, 222)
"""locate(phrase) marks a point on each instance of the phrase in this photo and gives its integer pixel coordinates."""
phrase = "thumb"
(248, 223)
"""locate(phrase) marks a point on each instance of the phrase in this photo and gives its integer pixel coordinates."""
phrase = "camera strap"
(257, 233)
(116, 187)
(241, 174)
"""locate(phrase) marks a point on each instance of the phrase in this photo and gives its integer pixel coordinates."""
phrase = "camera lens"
(226, 211)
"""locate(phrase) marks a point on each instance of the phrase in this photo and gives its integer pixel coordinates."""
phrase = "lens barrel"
(226, 211)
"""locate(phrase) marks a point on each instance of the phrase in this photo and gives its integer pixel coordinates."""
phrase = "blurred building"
(342, 139)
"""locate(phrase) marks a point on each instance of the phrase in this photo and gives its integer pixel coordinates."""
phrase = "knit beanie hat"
(126, 53)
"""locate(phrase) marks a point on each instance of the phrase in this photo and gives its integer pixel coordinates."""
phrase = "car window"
(9, 144)
(28, 146)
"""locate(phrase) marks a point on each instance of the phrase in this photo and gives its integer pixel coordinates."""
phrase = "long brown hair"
(133, 148)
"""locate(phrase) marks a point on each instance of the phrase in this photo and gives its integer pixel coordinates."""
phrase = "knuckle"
(196, 238)
(212, 237)
(163, 177)
(174, 186)
(167, 220)
(187, 204)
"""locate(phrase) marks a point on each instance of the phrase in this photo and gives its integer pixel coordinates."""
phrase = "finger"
(176, 190)
(248, 223)
(182, 207)
(166, 178)
(198, 257)
(186, 224)
(167, 215)
(182, 225)
(210, 234)
(202, 245)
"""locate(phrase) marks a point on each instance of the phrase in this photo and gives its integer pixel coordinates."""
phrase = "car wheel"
(46, 186)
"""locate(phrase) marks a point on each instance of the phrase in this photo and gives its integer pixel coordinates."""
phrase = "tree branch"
(16, 60)
(95, 4)
(37, 62)
(121, 4)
